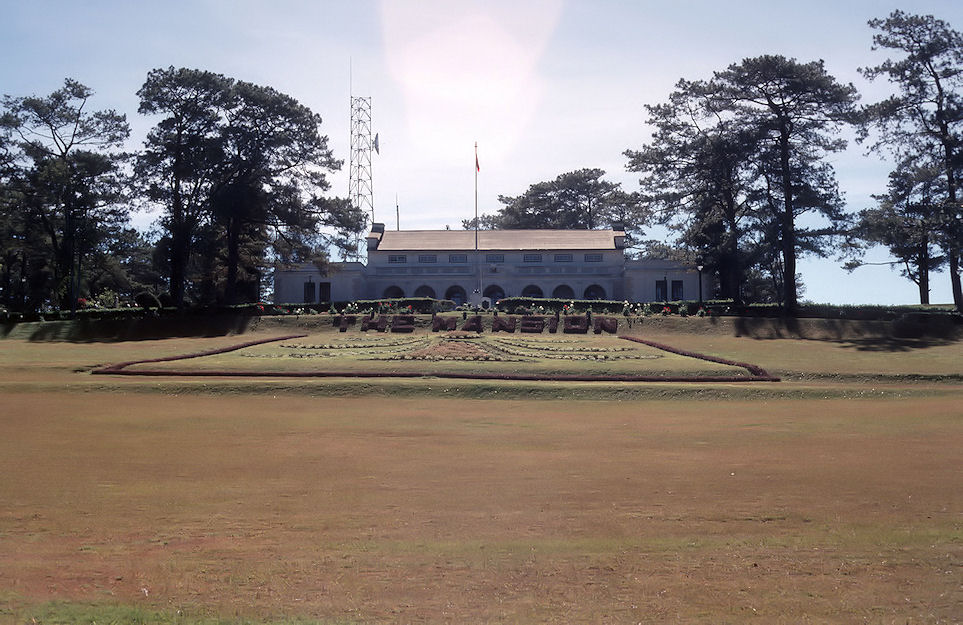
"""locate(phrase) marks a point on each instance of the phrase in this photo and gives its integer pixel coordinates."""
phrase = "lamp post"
(699, 267)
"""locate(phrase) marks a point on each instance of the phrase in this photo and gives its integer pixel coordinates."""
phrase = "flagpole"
(477, 263)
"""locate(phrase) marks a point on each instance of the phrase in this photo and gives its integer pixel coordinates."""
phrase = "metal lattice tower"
(359, 170)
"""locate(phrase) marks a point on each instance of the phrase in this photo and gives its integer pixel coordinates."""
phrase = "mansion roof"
(444, 240)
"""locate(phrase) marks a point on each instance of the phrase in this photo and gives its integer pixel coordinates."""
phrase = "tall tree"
(272, 177)
(907, 221)
(697, 176)
(576, 200)
(800, 109)
(240, 170)
(926, 114)
(70, 181)
(181, 155)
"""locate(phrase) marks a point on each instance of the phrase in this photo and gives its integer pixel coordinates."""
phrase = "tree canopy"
(64, 193)
(576, 200)
(737, 159)
(924, 117)
(240, 172)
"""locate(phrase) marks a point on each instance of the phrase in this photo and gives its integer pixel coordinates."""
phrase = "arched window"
(425, 291)
(456, 294)
(393, 292)
(563, 291)
(594, 292)
(494, 292)
(532, 290)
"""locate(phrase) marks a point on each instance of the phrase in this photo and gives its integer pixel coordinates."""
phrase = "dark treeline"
(237, 171)
(739, 169)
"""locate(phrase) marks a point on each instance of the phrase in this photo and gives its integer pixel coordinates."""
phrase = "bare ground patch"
(388, 510)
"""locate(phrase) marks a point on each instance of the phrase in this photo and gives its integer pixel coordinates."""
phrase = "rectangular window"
(309, 293)
(563, 258)
(532, 258)
(458, 259)
(397, 258)
(677, 291)
(494, 258)
(661, 292)
(593, 258)
(428, 258)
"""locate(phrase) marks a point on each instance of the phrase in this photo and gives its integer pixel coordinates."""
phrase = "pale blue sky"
(543, 86)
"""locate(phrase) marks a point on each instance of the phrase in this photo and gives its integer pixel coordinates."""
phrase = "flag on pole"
(477, 168)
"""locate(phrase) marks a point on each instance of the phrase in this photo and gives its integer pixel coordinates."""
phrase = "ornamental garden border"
(756, 373)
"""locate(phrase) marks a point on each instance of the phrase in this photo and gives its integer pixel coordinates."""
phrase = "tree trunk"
(233, 259)
(179, 257)
(788, 228)
(923, 272)
(954, 254)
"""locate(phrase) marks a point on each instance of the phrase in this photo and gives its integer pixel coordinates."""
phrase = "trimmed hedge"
(512, 305)
(530, 305)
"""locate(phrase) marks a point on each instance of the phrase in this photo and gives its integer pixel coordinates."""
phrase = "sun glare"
(467, 70)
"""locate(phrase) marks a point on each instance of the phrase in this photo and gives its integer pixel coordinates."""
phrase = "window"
(661, 292)
(309, 293)
(677, 290)
(458, 258)
(563, 258)
(428, 258)
(593, 258)
(397, 258)
(494, 258)
(532, 258)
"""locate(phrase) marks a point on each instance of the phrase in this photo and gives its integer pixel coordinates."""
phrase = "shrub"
(503, 324)
(147, 301)
(576, 324)
(534, 325)
(473, 324)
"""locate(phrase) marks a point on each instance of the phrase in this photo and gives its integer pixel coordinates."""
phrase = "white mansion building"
(466, 266)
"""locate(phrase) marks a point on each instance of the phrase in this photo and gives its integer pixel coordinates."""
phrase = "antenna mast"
(359, 169)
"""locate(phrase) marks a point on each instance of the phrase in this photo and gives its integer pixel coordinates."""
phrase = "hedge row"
(511, 305)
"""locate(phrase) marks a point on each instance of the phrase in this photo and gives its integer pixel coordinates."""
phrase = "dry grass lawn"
(429, 510)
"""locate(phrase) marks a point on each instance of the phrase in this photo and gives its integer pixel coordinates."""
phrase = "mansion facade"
(482, 267)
